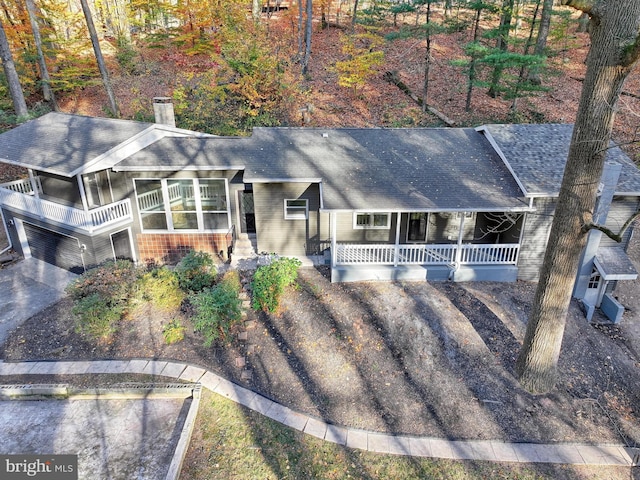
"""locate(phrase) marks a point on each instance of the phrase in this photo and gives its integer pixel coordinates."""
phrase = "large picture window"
(183, 204)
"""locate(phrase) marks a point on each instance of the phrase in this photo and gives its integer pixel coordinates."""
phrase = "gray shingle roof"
(373, 169)
(537, 154)
(388, 169)
(64, 144)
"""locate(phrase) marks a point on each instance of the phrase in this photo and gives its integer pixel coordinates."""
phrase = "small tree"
(270, 280)
(362, 59)
(218, 309)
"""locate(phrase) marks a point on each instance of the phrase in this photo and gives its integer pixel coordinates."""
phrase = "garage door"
(54, 248)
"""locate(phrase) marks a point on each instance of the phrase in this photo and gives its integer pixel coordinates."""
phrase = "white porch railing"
(416, 254)
(23, 186)
(90, 221)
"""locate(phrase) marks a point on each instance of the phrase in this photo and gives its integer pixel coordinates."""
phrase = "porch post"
(36, 193)
(460, 236)
(85, 204)
(332, 234)
(396, 252)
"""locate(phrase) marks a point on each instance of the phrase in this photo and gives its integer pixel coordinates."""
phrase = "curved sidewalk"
(489, 450)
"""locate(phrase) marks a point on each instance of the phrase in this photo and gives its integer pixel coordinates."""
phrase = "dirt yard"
(410, 358)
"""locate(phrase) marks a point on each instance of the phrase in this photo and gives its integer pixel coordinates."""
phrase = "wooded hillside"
(228, 72)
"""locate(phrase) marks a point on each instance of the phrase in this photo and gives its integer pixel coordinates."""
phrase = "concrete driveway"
(26, 287)
(115, 436)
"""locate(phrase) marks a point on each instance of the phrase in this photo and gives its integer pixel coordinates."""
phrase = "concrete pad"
(295, 420)
(504, 451)
(137, 366)
(316, 428)
(400, 445)
(378, 442)
(604, 455)
(210, 381)
(173, 369)
(336, 434)
(130, 438)
(154, 367)
(441, 449)
(192, 374)
(420, 447)
(357, 439)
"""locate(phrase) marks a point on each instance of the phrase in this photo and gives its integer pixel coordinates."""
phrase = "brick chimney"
(163, 111)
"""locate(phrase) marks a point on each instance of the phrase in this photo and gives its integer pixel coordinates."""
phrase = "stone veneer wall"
(171, 247)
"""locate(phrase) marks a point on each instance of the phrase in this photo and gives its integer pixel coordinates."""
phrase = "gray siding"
(622, 209)
(534, 240)
(347, 234)
(288, 237)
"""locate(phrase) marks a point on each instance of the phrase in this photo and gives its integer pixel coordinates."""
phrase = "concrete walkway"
(489, 450)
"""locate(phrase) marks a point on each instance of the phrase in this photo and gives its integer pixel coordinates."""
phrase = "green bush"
(101, 296)
(269, 283)
(173, 332)
(196, 271)
(161, 287)
(96, 316)
(217, 309)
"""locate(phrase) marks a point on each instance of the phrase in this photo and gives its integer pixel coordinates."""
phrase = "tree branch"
(609, 233)
(585, 6)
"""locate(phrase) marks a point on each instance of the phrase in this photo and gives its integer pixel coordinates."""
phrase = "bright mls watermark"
(50, 467)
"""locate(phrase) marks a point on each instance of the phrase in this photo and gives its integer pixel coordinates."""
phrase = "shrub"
(102, 296)
(114, 280)
(269, 283)
(217, 309)
(96, 316)
(161, 287)
(196, 271)
(173, 332)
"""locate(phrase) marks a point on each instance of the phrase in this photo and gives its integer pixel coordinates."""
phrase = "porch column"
(36, 193)
(396, 251)
(83, 194)
(332, 234)
(460, 236)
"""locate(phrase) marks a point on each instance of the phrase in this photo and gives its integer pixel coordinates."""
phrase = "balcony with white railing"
(19, 195)
(426, 254)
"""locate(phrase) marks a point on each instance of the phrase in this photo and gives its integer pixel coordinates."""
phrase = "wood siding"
(288, 237)
(622, 208)
(534, 240)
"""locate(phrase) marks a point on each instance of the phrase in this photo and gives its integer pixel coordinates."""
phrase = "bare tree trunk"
(502, 43)
(307, 37)
(541, 41)
(101, 65)
(427, 59)
(47, 92)
(13, 81)
(615, 48)
(256, 8)
(355, 11)
(472, 65)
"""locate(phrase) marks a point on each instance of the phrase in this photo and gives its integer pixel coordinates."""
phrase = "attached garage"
(55, 248)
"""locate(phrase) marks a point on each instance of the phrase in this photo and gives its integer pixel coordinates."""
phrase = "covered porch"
(29, 197)
(458, 246)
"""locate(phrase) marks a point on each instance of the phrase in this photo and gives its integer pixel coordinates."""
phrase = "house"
(442, 203)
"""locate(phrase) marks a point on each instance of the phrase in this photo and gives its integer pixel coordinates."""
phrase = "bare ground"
(431, 359)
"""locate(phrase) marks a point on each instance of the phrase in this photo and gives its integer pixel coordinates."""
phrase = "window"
(297, 209)
(371, 220)
(183, 204)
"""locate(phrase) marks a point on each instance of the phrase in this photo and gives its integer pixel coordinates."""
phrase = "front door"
(121, 242)
(417, 227)
(247, 214)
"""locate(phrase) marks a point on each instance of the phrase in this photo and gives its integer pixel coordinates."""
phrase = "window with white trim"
(296, 209)
(189, 204)
(366, 220)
